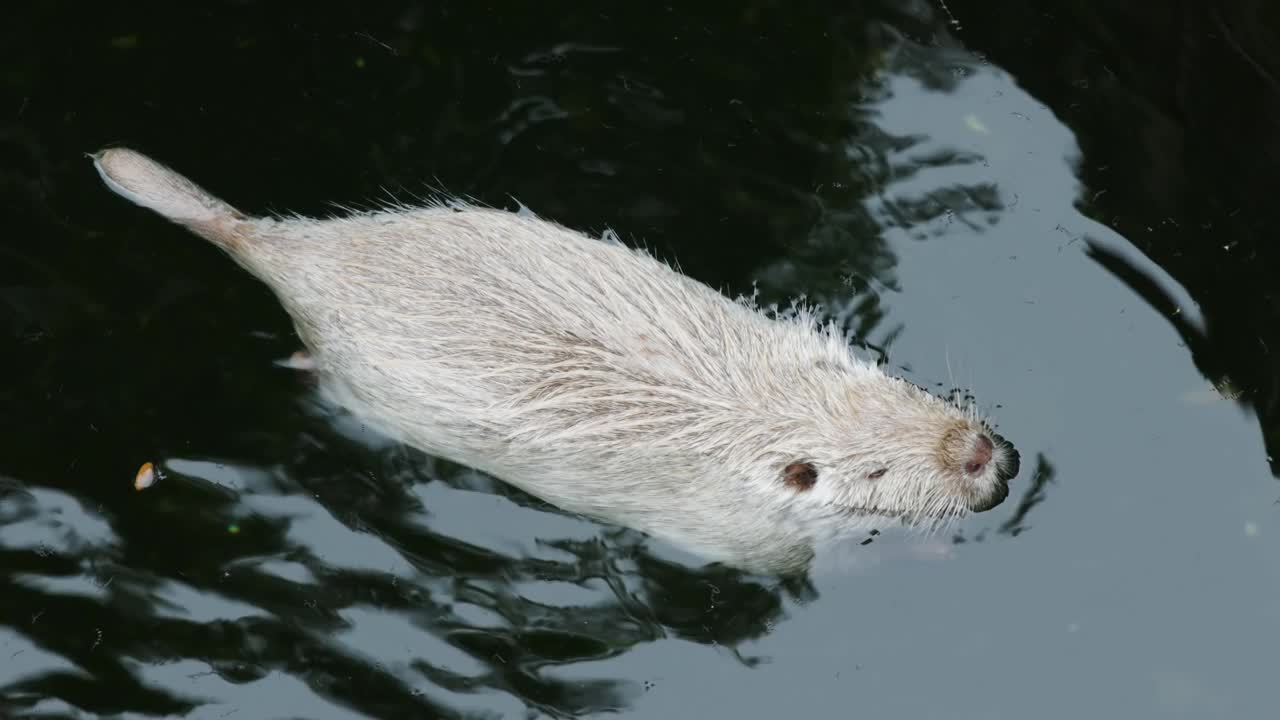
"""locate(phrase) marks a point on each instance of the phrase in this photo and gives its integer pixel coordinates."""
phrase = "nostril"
(981, 455)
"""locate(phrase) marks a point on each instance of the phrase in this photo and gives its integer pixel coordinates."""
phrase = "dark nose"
(1008, 469)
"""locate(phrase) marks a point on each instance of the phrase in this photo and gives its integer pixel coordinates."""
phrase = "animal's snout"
(983, 450)
(988, 448)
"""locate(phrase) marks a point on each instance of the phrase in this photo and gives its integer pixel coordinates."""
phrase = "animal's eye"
(877, 474)
(800, 475)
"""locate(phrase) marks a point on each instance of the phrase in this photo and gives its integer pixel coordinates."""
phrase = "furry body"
(596, 377)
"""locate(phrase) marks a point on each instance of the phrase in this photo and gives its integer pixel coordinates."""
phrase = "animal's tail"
(152, 185)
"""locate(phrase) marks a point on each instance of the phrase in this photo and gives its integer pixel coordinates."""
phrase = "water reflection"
(1183, 163)
(314, 587)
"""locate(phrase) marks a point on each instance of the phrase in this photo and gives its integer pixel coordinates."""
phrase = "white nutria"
(597, 378)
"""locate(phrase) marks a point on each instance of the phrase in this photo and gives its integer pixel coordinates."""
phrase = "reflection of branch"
(1034, 495)
(950, 202)
(1148, 288)
(1258, 67)
(1237, 354)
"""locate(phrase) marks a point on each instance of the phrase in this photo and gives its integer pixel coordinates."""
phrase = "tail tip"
(147, 183)
(129, 173)
(125, 172)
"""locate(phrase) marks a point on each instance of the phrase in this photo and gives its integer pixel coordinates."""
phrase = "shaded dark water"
(1067, 210)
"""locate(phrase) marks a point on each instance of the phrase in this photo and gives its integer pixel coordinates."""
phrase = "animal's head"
(880, 446)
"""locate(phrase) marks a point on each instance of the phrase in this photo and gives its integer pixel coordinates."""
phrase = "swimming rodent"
(597, 378)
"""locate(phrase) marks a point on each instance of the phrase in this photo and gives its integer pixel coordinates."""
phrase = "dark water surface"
(1068, 211)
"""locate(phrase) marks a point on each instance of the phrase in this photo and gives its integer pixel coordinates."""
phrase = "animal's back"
(517, 346)
(596, 377)
(478, 310)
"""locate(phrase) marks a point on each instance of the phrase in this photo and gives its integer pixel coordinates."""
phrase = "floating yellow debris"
(146, 477)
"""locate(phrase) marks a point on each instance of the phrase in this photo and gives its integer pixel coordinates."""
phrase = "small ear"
(799, 476)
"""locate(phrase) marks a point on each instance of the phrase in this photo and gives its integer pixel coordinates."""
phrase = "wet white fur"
(589, 374)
